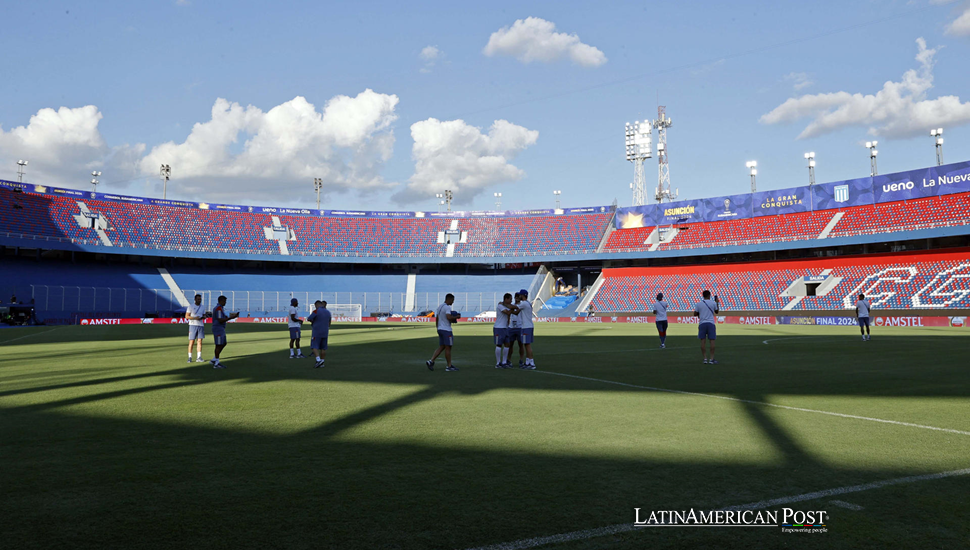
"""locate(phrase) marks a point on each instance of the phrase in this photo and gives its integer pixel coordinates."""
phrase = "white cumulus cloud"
(430, 55)
(63, 146)
(799, 81)
(900, 109)
(961, 25)
(535, 39)
(283, 149)
(454, 155)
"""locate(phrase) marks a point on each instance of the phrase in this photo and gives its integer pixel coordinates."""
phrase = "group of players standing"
(320, 320)
(513, 325)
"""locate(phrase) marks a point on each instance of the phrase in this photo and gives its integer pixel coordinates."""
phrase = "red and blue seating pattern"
(900, 281)
(941, 211)
(933, 212)
(148, 226)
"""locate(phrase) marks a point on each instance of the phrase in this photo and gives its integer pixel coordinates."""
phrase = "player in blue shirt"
(320, 321)
(219, 320)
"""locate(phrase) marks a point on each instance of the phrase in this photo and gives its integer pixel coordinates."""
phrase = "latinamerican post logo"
(788, 520)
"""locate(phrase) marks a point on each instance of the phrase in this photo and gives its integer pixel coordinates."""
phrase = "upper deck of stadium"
(925, 203)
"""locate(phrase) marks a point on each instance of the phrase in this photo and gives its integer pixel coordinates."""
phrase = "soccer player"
(444, 317)
(320, 321)
(706, 309)
(295, 324)
(503, 311)
(195, 313)
(219, 320)
(525, 321)
(515, 333)
(862, 308)
(660, 310)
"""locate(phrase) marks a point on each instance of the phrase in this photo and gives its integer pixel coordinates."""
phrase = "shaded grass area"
(111, 439)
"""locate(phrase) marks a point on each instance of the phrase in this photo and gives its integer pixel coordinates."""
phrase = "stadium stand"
(173, 228)
(941, 211)
(928, 213)
(934, 280)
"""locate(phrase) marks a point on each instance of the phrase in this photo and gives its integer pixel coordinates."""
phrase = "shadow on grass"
(97, 481)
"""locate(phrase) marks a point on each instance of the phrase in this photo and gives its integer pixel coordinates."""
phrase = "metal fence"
(138, 301)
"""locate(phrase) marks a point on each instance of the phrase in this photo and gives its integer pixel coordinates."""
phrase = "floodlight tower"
(21, 164)
(557, 193)
(165, 172)
(937, 134)
(639, 147)
(317, 186)
(498, 201)
(447, 196)
(753, 165)
(871, 145)
(663, 185)
(810, 157)
(94, 180)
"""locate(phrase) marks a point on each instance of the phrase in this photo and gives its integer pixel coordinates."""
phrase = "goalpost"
(345, 312)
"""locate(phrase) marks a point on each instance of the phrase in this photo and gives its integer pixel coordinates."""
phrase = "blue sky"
(152, 70)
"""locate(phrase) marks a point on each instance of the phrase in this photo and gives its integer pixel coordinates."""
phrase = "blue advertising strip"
(44, 190)
(781, 201)
(900, 186)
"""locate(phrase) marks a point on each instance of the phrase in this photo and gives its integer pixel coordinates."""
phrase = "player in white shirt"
(295, 324)
(707, 310)
(660, 310)
(195, 313)
(500, 331)
(444, 317)
(526, 326)
(862, 309)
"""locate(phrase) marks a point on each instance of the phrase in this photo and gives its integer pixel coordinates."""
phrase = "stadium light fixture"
(94, 180)
(165, 172)
(639, 147)
(557, 193)
(447, 196)
(317, 186)
(871, 145)
(810, 157)
(21, 165)
(937, 135)
(753, 165)
(498, 201)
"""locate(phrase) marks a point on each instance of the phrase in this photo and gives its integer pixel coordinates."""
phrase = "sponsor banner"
(843, 194)
(166, 202)
(914, 184)
(912, 321)
(781, 201)
(727, 208)
(879, 321)
(822, 321)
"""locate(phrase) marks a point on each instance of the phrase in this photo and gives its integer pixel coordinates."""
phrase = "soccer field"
(108, 438)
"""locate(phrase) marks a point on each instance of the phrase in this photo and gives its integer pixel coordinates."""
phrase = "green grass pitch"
(109, 439)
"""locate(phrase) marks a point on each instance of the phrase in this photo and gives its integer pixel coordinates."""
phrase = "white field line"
(846, 505)
(28, 336)
(763, 403)
(524, 544)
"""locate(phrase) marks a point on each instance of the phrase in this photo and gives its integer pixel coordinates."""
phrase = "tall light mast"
(663, 184)
(639, 147)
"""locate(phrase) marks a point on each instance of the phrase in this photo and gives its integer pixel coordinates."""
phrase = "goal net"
(345, 312)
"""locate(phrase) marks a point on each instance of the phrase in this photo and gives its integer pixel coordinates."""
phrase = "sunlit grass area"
(109, 438)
